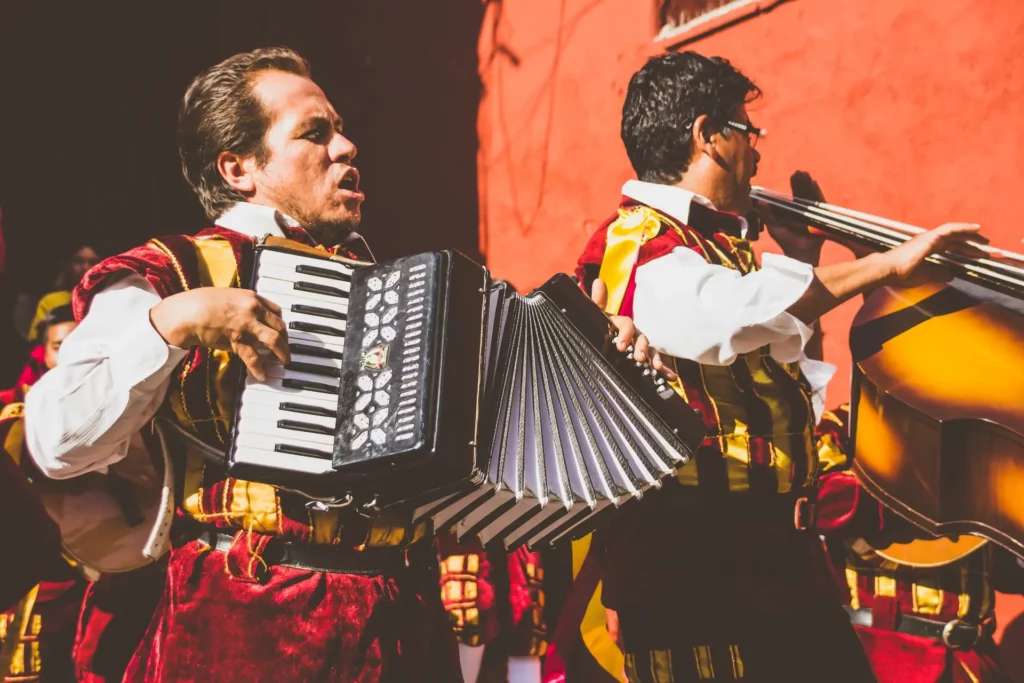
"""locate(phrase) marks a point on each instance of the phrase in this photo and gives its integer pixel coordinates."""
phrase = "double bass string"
(882, 233)
(901, 227)
(885, 236)
(883, 227)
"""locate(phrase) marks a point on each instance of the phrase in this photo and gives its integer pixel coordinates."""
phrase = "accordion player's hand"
(229, 319)
(627, 334)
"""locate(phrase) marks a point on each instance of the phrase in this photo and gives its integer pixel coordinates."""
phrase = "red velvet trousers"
(217, 623)
(116, 612)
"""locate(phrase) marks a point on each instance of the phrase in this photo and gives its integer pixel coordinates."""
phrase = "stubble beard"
(326, 232)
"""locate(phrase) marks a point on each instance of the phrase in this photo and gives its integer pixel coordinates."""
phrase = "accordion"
(424, 383)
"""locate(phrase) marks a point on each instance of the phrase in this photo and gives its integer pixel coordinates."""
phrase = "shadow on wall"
(91, 93)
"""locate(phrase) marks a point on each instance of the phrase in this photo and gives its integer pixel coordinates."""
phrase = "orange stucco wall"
(910, 109)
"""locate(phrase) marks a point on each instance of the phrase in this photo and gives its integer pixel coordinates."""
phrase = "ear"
(702, 137)
(237, 170)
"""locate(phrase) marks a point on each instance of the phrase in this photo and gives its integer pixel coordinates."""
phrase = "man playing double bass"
(720, 576)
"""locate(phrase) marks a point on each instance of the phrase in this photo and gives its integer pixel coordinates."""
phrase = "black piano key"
(303, 326)
(314, 369)
(319, 312)
(315, 351)
(302, 450)
(307, 409)
(297, 426)
(315, 288)
(306, 385)
(323, 272)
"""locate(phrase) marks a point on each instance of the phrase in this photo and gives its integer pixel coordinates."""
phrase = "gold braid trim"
(16, 631)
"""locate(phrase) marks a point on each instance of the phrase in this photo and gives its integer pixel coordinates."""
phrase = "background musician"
(75, 628)
(38, 633)
(259, 586)
(55, 326)
(719, 575)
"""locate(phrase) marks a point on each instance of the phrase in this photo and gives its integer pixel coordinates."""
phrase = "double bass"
(937, 394)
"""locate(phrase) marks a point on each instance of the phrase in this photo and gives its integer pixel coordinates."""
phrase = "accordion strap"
(274, 241)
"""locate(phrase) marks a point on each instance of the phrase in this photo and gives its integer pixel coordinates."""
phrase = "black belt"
(321, 558)
(956, 634)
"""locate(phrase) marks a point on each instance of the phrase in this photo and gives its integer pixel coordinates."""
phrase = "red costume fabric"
(962, 590)
(35, 367)
(115, 615)
(230, 615)
(494, 598)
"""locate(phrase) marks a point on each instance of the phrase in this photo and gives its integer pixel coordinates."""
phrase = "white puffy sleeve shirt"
(712, 314)
(113, 372)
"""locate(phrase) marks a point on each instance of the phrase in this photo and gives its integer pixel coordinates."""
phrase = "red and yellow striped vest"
(757, 411)
(202, 394)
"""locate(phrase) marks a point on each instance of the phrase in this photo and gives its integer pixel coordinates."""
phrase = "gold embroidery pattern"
(705, 669)
(459, 593)
(535, 584)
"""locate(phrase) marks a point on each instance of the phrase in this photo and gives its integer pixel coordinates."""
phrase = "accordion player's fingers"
(272, 333)
(252, 360)
(270, 306)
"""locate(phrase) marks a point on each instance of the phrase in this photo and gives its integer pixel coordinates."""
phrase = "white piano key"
(281, 293)
(270, 359)
(248, 454)
(270, 257)
(274, 400)
(303, 337)
(333, 382)
(289, 316)
(273, 434)
(289, 274)
(275, 387)
(271, 414)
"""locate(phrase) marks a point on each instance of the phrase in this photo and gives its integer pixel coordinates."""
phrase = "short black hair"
(55, 316)
(665, 97)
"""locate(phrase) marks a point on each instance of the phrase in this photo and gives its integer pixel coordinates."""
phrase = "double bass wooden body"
(937, 410)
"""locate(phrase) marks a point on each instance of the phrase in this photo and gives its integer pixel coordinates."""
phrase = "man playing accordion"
(260, 585)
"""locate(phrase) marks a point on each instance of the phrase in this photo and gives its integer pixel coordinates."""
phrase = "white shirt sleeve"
(112, 376)
(711, 314)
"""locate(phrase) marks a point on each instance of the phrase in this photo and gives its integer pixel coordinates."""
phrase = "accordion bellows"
(512, 418)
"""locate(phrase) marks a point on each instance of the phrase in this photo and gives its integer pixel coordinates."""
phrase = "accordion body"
(422, 382)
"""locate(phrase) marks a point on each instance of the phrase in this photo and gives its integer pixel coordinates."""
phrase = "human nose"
(342, 149)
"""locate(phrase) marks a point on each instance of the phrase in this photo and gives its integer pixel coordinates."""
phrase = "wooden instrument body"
(937, 412)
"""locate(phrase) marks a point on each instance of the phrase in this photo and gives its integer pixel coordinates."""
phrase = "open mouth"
(350, 181)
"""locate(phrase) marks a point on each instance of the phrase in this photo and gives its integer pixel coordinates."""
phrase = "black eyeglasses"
(753, 133)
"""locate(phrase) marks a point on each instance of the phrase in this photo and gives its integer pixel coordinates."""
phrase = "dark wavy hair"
(665, 97)
(220, 112)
